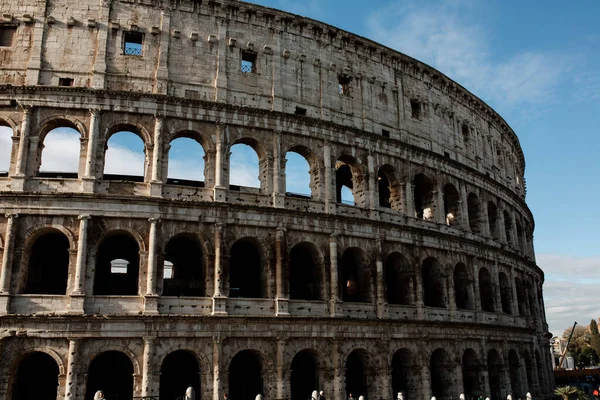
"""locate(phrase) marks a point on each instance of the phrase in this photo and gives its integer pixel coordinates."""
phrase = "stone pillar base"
(151, 304)
(330, 208)
(281, 307)
(278, 200)
(76, 304)
(155, 189)
(220, 193)
(335, 309)
(219, 306)
(88, 184)
(17, 183)
(4, 303)
(382, 310)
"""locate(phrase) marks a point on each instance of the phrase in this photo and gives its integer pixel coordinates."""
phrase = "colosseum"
(142, 286)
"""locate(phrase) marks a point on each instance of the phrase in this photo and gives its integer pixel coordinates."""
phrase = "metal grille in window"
(133, 43)
(133, 51)
(246, 67)
(248, 62)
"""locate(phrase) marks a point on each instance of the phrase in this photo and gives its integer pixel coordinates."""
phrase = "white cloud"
(5, 147)
(443, 35)
(61, 151)
(243, 166)
(123, 161)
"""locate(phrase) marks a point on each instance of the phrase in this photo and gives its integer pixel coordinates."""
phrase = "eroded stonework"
(427, 284)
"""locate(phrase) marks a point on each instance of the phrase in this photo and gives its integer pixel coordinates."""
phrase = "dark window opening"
(404, 375)
(356, 276)
(465, 133)
(344, 179)
(7, 35)
(495, 373)
(399, 279)
(300, 111)
(305, 282)
(356, 375)
(248, 62)
(451, 205)
(423, 197)
(446, 154)
(245, 271)
(442, 372)
(521, 297)
(344, 85)
(415, 108)
(304, 376)
(245, 376)
(117, 267)
(48, 269)
(383, 187)
(390, 191)
(515, 374)
(508, 227)
(37, 378)
(385, 133)
(133, 43)
(183, 268)
(112, 373)
(472, 379)
(486, 291)
(475, 215)
(493, 219)
(65, 81)
(433, 284)
(463, 288)
(179, 371)
(505, 293)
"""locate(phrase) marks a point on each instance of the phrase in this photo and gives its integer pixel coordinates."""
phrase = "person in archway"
(350, 397)
(225, 397)
(322, 395)
(351, 288)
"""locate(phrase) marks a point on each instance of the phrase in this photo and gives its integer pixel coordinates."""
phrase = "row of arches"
(494, 376)
(186, 268)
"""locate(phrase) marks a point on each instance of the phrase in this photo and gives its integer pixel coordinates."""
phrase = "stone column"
(89, 174)
(156, 178)
(281, 300)
(334, 297)
(151, 297)
(219, 299)
(338, 372)
(373, 202)
(18, 180)
(381, 301)
(76, 305)
(278, 177)
(410, 199)
(485, 376)
(328, 182)
(419, 301)
(216, 364)
(451, 292)
(425, 382)
(477, 298)
(440, 212)
(220, 190)
(283, 375)
(147, 381)
(7, 257)
(71, 384)
(501, 226)
(495, 272)
(464, 204)
(515, 297)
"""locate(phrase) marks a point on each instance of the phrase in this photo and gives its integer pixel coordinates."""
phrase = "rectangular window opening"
(300, 111)
(446, 154)
(465, 132)
(385, 133)
(7, 35)
(344, 85)
(248, 62)
(415, 108)
(65, 81)
(133, 43)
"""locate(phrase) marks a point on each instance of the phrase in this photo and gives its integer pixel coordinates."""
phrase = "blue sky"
(536, 63)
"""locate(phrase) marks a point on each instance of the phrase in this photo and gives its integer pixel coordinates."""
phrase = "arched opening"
(304, 377)
(399, 279)
(179, 371)
(519, 236)
(245, 270)
(112, 373)
(125, 157)
(505, 293)
(530, 298)
(423, 197)
(117, 266)
(442, 385)
(433, 277)
(48, 267)
(541, 373)
(184, 276)
(37, 378)
(521, 297)
(186, 162)
(245, 376)
(59, 152)
(472, 378)
(495, 373)
(244, 167)
(298, 176)
(347, 182)
(305, 272)
(508, 227)
(6, 134)
(515, 376)
(388, 188)
(493, 220)
(356, 374)
(486, 291)
(404, 377)
(528, 371)
(451, 205)
(463, 288)
(356, 276)
(475, 217)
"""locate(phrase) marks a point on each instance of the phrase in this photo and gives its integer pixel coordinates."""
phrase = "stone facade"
(427, 284)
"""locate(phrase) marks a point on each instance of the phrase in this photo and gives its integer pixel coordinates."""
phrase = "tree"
(595, 339)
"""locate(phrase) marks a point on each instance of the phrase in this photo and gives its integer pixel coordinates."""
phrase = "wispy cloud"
(443, 34)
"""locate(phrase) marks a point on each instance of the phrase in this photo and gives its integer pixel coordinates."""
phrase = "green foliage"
(571, 393)
(594, 327)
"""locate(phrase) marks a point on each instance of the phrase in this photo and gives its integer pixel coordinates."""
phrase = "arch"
(59, 149)
(493, 220)
(473, 384)
(434, 285)
(179, 370)
(300, 175)
(246, 270)
(304, 378)
(245, 375)
(357, 365)
(186, 160)
(399, 280)
(350, 179)
(117, 265)
(46, 261)
(463, 288)
(521, 297)
(404, 377)
(441, 370)
(486, 290)
(389, 188)
(519, 236)
(357, 279)
(541, 371)
(530, 384)
(6, 145)
(475, 214)
(187, 269)
(505, 293)
(248, 164)
(423, 197)
(125, 154)
(451, 205)
(36, 377)
(305, 272)
(508, 227)
(514, 366)
(495, 368)
(112, 372)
